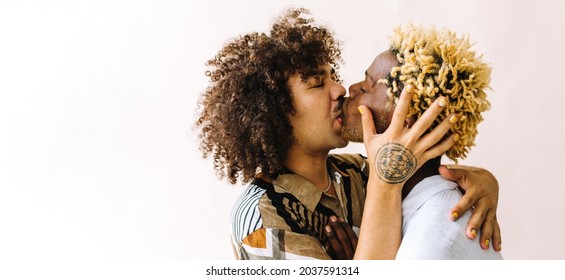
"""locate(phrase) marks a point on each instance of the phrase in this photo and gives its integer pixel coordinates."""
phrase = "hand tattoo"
(394, 163)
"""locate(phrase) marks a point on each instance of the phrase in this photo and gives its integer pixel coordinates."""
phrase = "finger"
(464, 167)
(335, 247)
(401, 110)
(439, 149)
(435, 136)
(367, 122)
(341, 236)
(486, 230)
(429, 116)
(496, 237)
(455, 175)
(468, 199)
(464, 204)
(475, 222)
(350, 234)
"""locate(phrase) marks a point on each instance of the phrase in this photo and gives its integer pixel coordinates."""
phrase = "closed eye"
(316, 82)
(362, 88)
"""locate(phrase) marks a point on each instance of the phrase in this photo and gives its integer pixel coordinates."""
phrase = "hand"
(396, 154)
(481, 192)
(341, 239)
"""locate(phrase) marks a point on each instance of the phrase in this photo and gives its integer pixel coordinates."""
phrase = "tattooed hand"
(396, 154)
(394, 163)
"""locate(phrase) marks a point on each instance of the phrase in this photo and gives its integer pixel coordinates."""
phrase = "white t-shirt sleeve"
(430, 234)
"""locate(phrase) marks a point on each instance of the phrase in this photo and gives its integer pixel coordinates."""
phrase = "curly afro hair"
(440, 63)
(243, 118)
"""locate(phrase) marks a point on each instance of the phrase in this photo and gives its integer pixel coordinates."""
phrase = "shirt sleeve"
(277, 244)
(430, 234)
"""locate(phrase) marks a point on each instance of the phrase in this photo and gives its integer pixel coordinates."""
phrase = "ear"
(409, 122)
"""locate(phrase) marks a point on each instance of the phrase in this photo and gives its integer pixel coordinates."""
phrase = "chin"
(352, 135)
(343, 144)
(356, 139)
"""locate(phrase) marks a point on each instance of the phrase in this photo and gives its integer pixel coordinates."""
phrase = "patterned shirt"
(285, 219)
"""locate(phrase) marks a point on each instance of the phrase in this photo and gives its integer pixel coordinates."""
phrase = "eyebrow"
(319, 72)
(313, 73)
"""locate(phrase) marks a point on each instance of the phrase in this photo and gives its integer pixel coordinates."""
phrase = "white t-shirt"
(427, 230)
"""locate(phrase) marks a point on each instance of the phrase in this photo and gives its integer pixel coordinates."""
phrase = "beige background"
(98, 158)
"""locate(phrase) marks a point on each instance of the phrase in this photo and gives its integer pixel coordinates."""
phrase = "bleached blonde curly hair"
(438, 62)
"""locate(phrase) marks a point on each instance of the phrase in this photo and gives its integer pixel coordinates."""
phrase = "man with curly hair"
(438, 65)
(270, 117)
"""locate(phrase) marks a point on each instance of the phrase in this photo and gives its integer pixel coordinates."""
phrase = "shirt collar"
(306, 192)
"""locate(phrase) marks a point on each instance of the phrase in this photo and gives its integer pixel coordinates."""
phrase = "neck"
(311, 166)
(430, 168)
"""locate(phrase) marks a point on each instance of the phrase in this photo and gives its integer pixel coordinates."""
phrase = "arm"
(393, 157)
(380, 234)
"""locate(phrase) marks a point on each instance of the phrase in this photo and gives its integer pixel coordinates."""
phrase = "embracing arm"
(380, 234)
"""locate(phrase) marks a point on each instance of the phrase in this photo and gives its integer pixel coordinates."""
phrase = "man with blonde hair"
(436, 65)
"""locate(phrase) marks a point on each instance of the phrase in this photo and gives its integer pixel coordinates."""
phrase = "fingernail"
(341, 220)
(499, 247)
(409, 88)
(360, 109)
(456, 137)
(452, 119)
(328, 229)
(442, 101)
(333, 219)
(455, 215)
(474, 233)
(487, 242)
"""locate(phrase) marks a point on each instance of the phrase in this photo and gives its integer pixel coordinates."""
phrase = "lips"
(339, 109)
(343, 113)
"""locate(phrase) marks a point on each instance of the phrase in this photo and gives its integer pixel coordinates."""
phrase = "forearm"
(397, 149)
(381, 226)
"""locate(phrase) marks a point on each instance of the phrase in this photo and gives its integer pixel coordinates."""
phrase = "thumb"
(450, 174)
(367, 122)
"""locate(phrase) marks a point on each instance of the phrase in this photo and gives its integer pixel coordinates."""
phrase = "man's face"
(372, 94)
(317, 122)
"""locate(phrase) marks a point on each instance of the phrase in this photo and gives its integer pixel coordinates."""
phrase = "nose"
(353, 90)
(337, 91)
